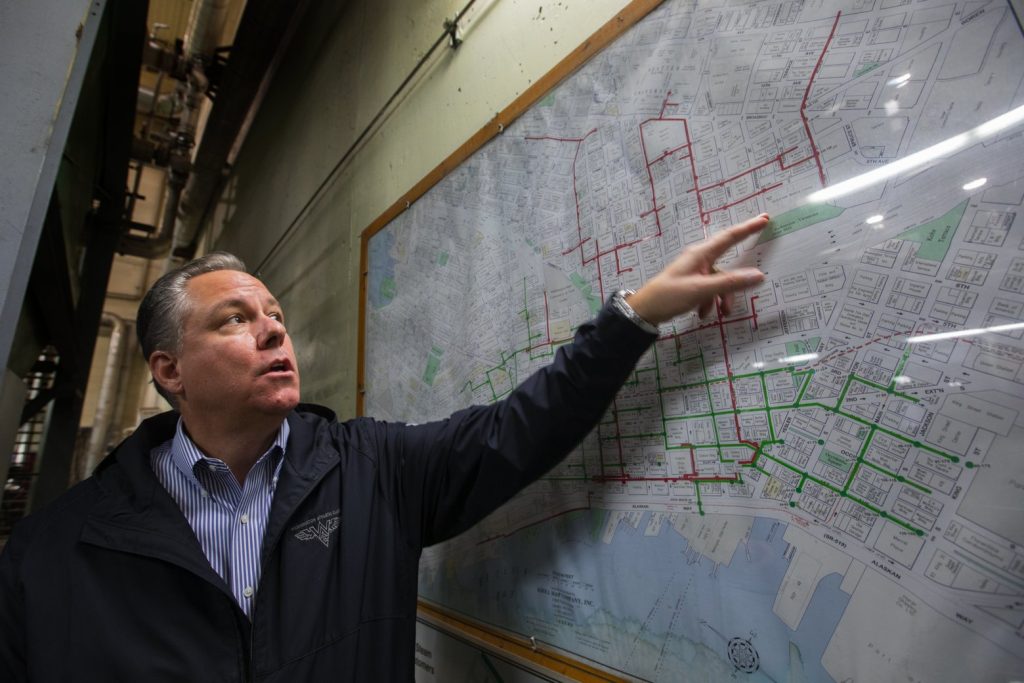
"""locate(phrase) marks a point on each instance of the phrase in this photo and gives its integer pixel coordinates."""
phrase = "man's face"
(236, 356)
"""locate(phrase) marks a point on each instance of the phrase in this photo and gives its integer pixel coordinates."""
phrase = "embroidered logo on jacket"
(319, 528)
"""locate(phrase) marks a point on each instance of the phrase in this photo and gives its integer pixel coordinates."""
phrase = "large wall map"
(829, 483)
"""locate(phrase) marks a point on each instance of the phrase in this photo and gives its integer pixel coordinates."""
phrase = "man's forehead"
(226, 285)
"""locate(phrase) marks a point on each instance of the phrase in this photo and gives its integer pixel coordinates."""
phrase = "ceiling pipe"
(164, 106)
(264, 32)
(158, 246)
(107, 397)
(186, 63)
(178, 161)
(205, 27)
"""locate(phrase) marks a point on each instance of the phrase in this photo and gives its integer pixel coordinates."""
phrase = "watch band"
(623, 308)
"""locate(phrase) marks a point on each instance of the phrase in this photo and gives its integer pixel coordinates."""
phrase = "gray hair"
(166, 305)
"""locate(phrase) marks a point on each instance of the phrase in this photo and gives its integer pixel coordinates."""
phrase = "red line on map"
(669, 152)
(579, 225)
(648, 163)
(743, 199)
(706, 326)
(728, 369)
(619, 270)
(705, 219)
(693, 172)
(665, 103)
(547, 330)
(777, 159)
(807, 92)
(622, 479)
(784, 167)
(694, 476)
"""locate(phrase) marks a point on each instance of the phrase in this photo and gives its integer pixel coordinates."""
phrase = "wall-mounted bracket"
(451, 27)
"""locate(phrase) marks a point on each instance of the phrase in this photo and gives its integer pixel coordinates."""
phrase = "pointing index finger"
(718, 244)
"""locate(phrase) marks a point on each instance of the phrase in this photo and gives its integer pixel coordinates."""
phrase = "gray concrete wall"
(344, 64)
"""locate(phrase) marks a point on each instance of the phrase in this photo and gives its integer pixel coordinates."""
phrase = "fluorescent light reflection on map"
(877, 218)
(913, 161)
(799, 358)
(975, 184)
(900, 80)
(939, 336)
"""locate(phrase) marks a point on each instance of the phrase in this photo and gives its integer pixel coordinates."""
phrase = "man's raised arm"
(445, 476)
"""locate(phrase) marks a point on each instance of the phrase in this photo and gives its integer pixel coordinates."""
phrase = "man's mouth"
(283, 365)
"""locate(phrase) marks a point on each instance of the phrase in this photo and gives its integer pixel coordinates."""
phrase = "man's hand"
(692, 281)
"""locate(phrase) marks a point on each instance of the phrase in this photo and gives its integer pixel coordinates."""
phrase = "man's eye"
(278, 317)
(236, 318)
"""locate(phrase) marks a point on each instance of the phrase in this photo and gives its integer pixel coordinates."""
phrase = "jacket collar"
(136, 514)
(309, 459)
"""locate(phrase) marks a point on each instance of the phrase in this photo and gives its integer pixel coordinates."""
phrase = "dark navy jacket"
(110, 583)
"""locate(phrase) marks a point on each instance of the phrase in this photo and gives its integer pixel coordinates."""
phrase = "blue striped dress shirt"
(228, 519)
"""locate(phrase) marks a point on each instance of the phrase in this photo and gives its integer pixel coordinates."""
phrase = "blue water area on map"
(651, 586)
(381, 267)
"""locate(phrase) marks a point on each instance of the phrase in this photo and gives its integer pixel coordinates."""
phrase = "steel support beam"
(39, 41)
(121, 63)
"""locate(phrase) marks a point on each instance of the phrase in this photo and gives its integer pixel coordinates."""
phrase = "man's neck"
(238, 443)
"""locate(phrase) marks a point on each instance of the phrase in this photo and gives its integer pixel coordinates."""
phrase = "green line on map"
(508, 368)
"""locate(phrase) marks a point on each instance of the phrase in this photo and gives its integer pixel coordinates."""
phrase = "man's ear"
(164, 368)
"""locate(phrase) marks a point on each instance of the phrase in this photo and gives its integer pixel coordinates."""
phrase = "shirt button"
(206, 494)
(247, 591)
(213, 468)
(244, 519)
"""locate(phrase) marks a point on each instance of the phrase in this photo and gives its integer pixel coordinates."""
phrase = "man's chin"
(278, 406)
(281, 403)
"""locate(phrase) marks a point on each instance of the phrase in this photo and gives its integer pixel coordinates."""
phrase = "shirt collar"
(185, 454)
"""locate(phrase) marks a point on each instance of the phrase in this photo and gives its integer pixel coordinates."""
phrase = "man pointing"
(245, 536)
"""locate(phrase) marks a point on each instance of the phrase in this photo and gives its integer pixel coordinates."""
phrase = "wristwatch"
(623, 308)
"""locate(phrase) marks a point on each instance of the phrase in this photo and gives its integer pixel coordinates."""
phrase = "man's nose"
(272, 333)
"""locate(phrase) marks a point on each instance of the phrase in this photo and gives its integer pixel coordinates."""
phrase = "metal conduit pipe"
(264, 32)
(205, 26)
(160, 245)
(107, 396)
(181, 159)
